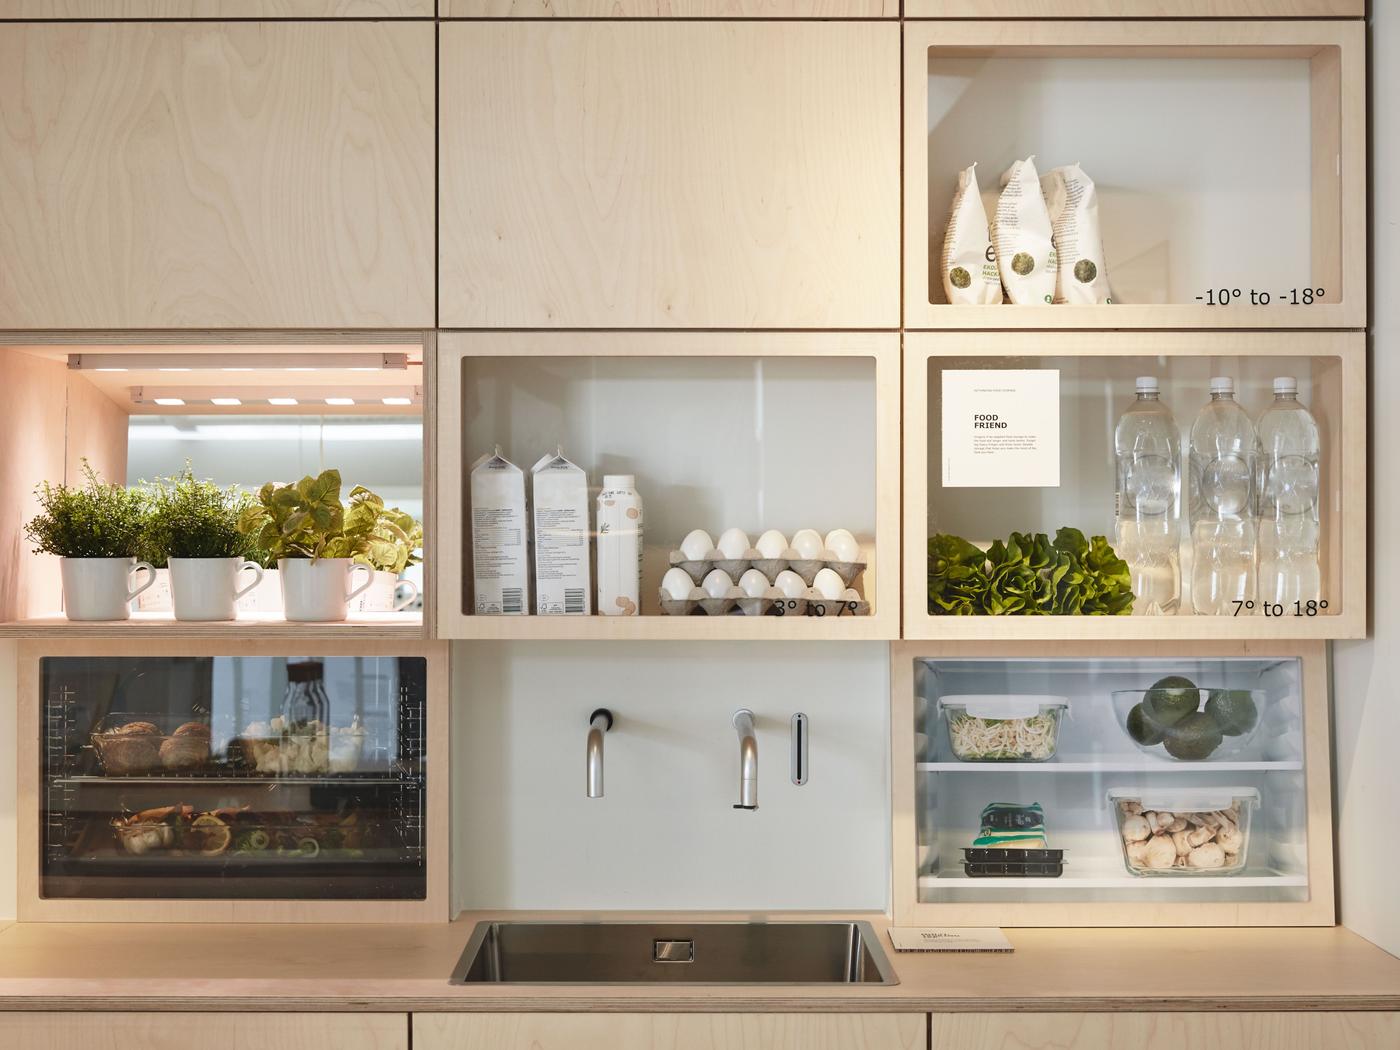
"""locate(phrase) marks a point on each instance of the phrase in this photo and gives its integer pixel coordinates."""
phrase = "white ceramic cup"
(100, 588)
(383, 594)
(206, 589)
(319, 591)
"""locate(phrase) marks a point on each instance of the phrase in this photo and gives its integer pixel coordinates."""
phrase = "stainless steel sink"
(673, 953)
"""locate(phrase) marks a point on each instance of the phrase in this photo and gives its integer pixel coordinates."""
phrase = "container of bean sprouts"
(1002, 727)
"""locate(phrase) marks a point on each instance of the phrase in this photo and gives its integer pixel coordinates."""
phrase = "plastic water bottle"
(1290, 448)
(1147, 446)
(1224, 536)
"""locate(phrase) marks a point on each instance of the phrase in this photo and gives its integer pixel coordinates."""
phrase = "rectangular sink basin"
(673, 953)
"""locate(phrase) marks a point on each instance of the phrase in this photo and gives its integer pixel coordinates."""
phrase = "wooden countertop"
(65, 966)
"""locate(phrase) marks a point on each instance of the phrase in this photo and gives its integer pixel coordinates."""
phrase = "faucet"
(599, 722)
(748, 759)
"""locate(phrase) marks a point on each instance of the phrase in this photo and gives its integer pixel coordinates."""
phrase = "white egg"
(842, 545)
(718, 583)
(697, 545)
(677, 584)
(850, 594)
(790, 584)
(829, 584)
(753, 583)
(772, 544)
(734, 544)
(807, 543)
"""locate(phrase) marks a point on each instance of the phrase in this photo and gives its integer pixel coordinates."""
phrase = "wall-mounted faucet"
(599, 722)
(748, 759)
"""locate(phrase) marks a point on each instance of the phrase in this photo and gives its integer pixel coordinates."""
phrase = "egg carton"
(807, 568)
(745, 606)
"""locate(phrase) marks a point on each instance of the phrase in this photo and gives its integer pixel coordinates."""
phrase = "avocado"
(1143, 728)
(1171, 699)
(1194, 738)
(1233, 710)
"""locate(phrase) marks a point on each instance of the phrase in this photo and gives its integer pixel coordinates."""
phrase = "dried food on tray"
(131, 744)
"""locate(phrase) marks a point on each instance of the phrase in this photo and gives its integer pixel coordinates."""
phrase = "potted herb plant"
(397, 539)
(314, 538)
(96, 529)
(194, 525)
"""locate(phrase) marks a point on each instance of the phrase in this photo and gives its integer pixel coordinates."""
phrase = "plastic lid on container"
(1222, 385)
(1285, 385)
(1147, 385)
(1002, 706)
(1186, 800)
(619, 481)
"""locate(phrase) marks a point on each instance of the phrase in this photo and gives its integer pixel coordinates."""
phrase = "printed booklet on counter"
(949, 939)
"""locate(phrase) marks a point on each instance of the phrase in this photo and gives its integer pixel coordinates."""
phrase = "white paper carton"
(559, 491)
(619, 547)
(500, 566)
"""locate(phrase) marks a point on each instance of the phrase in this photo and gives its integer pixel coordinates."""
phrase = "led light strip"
(224, 397)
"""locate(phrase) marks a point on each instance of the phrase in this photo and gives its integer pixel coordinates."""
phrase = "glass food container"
(1184, 831)
(1003, 727)
(1175, 719)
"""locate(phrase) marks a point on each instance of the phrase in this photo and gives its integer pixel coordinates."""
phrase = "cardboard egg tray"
(806, 568)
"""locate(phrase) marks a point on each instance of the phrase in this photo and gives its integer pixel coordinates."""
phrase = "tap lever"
(748, 759)
(599, 722)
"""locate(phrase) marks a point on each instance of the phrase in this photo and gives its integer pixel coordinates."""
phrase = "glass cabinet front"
(229, 777)
(1103, 780)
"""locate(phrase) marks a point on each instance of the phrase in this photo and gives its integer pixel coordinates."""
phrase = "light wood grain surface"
(806, 1031)
(397, 967)
(116, 9)
(230, 175)
(669, 175)
(1134, 8)
(1167, 1031)
(670, 8)
(146, 1031)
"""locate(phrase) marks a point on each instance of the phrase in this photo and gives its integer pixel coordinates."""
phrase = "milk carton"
(619, 547)
(559, 492)
(500, 566)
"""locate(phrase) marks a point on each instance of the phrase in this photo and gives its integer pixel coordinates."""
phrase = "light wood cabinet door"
(1167, 1031)
(806, 1031)
(669, 174)
(1134, 8)
(221, 175)
(114, 9)
(207, 1031)
(669, 8)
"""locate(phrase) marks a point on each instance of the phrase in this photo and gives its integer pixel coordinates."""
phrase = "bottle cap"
(1222, 385)
(1285, 385)
(619, 481)
(1147, 385)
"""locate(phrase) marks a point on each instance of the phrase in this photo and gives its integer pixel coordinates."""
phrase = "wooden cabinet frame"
(1318, 910)
(881, 579)
(33, 907)
(1339, 401)
(1336, 50)
(1044, 9)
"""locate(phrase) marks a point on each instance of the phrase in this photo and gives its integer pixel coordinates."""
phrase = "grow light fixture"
(282, 401)
(224, 397)
(363, 361)
(340, 400)
(226, 401)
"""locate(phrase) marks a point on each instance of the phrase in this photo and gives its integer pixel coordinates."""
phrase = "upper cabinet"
(670, 8)
(90, 9)
(669, 175)
(220, 175)
(1132, 8)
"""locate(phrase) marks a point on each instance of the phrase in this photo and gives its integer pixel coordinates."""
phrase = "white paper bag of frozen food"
(500, 565)
(559, 508)
(1073, 204)
(1022, 236)
(969, 264)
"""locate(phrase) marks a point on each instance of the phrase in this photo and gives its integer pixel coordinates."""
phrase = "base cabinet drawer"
(206, 1031)
(1167, 1031)
(669, 1031)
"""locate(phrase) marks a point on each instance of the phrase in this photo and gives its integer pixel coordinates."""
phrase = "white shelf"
(1264, 880)
(1110, 764)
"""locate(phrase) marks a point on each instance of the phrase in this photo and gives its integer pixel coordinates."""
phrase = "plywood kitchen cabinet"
(84, 10)
(805, 1031)
(222, 175)
(210, 1031)
(669, 174)
(1166, 1031)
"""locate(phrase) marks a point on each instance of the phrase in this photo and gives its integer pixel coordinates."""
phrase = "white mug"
(319, 591)
(206, 589)
(383, 595)
(100, 588)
